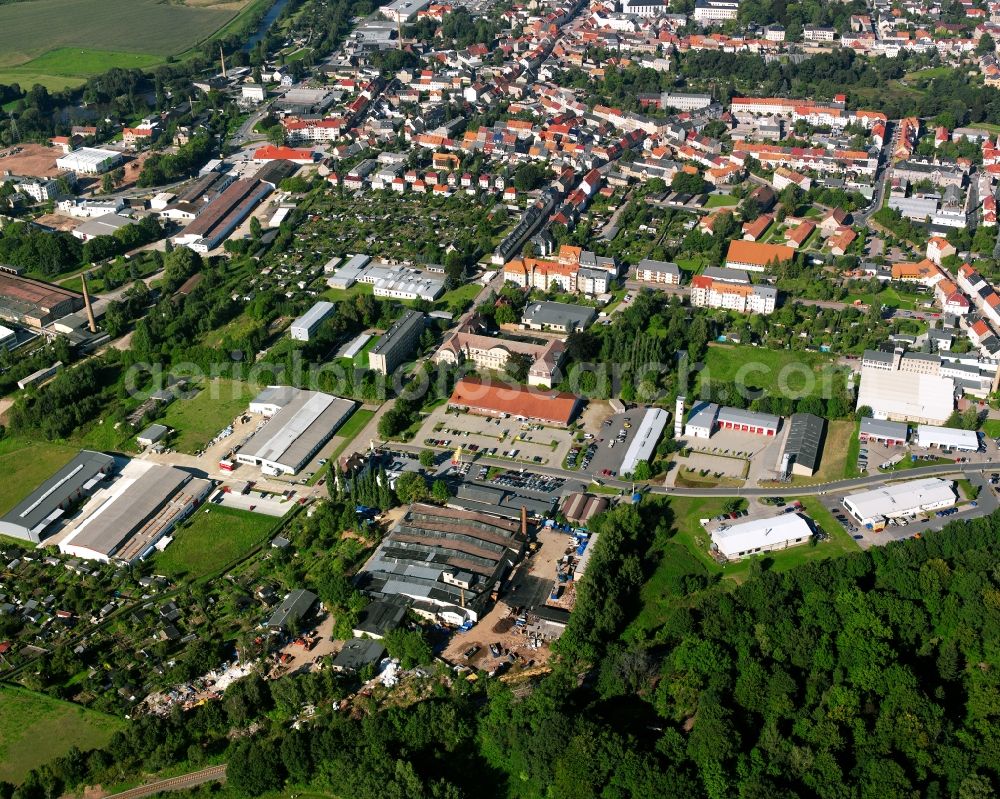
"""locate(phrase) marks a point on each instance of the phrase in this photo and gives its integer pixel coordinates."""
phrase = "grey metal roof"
(647, 264)
(292, 608)
(75, 477)
(805, 439)
(153, 433)
(379, 618)
(881, 428)
(740, 416)
(399, 331)
(313, 316)
(301, 426)
(726, 275)
(357, 653)
(559, 314)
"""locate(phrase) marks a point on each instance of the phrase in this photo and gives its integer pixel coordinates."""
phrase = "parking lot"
(916, 525)
(521, 442)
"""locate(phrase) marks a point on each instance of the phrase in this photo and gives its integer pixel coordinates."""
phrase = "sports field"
(35, 728)
(59, 43)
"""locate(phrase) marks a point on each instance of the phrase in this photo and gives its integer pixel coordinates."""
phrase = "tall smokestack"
(524, 521)
(86, 302)
(222, 58)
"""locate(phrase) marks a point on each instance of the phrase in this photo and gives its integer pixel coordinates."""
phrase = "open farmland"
(60, 43)
(35, 728)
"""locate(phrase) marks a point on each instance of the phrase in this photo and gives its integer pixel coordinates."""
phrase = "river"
(265, 25)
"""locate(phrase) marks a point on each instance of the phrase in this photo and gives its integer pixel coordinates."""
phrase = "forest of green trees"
(874, 675)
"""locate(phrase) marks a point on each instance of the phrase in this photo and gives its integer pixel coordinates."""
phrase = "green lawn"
(212, 538)
(198, 420)
(35, 728)
(689, 510)
(991, 427)
(350, 430)
(721, 201)
(891, 298)
(336, 295)
(25, 465)
(853, 450)
(796, 372)
(690, 264)
(463, 295)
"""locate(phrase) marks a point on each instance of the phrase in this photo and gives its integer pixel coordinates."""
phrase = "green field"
(26, 464)
(688, 511)
(60, 43)
(991, 427)
(213, 537)
(721, 201)
(35, 728)
(794, 372)
(198, 420)
(349, 431)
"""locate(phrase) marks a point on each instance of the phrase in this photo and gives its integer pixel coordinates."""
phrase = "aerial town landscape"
(544, 400)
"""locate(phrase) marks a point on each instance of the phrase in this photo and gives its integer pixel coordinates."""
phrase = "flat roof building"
(446, 562)
(8, 338)
(548, 407)
(90, 161)
(303, 327)
(761, 535)
(30, 519)
(346, 275)
(398, 343)
(301, 422)
(804, 444)
(764, 424)
(701, 420)
(104, 225)
(358, 653)
(123, 522)
(893, 434)
(561, 317)
(644, 442)
(906, 396)
(223, 215)
(901, 499)
(379, 618)
(950, 437)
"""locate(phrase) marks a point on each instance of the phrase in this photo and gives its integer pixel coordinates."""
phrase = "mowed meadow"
(60, 43)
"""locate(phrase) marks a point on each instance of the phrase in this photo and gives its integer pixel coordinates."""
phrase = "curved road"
(181, 783)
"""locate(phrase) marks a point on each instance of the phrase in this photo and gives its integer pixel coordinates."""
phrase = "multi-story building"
(708, 293)
(397, 344)
(572, 270)
(663, 272)
(488, 352)
(710, 12)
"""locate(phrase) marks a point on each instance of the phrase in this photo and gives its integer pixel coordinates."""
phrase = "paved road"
(881, 174)
(582, 480)
(181, 783)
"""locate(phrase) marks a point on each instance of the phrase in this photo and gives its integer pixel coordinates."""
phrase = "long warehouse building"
(643, 445)
(223, 215)
(31, 519)
(900, 499)
(124, 521)
(300, 422)
(761, 535)
(35, 302)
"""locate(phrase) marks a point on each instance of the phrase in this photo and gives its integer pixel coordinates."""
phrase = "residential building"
(756, 256)
(708, 293)
(663, 272)
(488, 352)
(398, 343)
